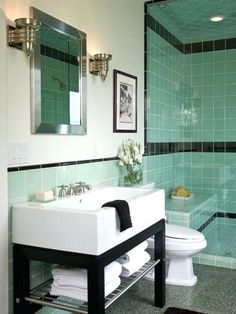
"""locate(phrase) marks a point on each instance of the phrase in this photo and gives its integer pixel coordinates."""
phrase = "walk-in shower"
(190, 113)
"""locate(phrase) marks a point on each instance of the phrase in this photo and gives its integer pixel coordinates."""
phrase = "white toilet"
(181, 244)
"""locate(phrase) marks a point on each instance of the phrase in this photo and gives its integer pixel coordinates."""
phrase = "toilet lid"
(179, 232)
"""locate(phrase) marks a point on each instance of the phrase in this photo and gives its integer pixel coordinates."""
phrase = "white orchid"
(130, 153)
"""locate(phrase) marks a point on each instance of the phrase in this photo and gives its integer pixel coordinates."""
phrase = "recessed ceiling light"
(216, 18)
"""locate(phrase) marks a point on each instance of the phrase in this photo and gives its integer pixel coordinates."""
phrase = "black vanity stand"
(93, 263)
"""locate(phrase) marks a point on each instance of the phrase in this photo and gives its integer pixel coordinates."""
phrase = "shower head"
(62, 85)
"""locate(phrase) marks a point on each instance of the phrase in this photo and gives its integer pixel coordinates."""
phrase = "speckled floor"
(214, 293)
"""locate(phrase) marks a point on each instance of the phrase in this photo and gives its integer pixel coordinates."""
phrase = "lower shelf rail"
(41, 294)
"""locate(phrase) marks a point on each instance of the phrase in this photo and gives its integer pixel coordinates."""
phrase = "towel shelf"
(30, 301)
(40, 295)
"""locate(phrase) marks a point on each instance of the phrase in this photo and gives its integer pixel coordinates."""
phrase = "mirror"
(58, 78)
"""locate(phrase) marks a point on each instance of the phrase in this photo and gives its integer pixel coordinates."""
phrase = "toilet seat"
(180, 238)
(182, 234)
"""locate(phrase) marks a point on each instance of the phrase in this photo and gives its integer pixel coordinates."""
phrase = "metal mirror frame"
(37, 126)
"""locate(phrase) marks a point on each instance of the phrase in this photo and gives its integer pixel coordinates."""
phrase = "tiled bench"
(191, 213)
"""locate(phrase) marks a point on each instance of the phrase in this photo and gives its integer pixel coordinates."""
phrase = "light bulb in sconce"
(23, 36)
(100, 65)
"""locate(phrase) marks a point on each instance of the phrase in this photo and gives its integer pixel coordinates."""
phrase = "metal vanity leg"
(159, 284)
(21, 272)
(96, 287)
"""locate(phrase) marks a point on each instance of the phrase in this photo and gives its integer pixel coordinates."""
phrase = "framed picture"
(124, 102)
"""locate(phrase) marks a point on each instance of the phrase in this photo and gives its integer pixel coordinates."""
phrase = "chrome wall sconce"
(99, 65)
(23, 36)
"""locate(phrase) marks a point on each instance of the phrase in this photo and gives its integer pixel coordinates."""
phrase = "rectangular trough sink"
(79, 224)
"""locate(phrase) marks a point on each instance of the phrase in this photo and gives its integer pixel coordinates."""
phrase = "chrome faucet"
(70, 191)
(80, 187)
(62, 191)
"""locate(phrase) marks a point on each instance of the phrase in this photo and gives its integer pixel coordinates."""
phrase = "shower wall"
(212, 79)
(191, 120)
(165, 68)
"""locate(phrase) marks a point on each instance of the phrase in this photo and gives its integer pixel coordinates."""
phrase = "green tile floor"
(221, 237)
(214, 293)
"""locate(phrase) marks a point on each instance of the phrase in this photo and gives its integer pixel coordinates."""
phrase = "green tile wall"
(166, 171)
(165, 76)
(165, 90)
(212, 78)
(213, 173)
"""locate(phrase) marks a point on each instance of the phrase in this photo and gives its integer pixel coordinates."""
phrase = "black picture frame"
(124, 102)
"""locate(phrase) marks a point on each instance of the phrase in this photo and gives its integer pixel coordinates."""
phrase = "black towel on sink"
(122, 209)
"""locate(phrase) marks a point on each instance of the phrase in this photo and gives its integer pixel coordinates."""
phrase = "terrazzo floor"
(214, 293)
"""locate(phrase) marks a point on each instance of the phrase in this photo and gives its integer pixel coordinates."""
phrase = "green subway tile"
(207, 57)
(49, 179)
(66, 175)
(223, 262)
(33, 183)
(231, 89)
(111, 169)
(97, 172)
(84, 172)
(231, 124)
(208, 91)
(219, 67)
(219, 113)
(16, 184)
(230, 135)
(230, 78)
(208, 136)
(230, 66)
(219, 125)
(208, 124)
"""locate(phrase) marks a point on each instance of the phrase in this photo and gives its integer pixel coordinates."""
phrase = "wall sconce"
(23, 36)
(99, 65)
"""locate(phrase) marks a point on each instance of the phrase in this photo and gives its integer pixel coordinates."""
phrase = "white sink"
(79, 224)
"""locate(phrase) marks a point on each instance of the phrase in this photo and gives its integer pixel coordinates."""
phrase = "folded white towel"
(131, 267)
(133, 254)
(78, 276)
(81, 293)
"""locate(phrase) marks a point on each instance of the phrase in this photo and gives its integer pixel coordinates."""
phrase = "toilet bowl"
(181, 244)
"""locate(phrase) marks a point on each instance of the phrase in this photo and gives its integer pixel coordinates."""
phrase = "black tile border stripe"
(58, 55)
(206, 223)
(60, 164)
(164, 33)
(198, 147)
(226, 215)
(151, 149)
(216, 215)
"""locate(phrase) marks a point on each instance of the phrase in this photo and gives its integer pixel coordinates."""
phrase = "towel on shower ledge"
(134, 265)
(77, 277)
(81, 293)
(122, 209)
(133, 254)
